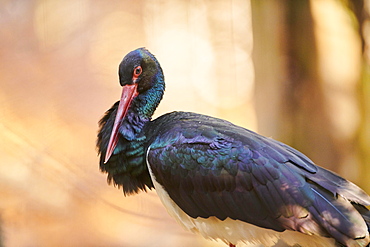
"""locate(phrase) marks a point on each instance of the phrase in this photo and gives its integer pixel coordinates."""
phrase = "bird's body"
(221, 180)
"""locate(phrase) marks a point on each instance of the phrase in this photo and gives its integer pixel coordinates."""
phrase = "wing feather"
(227, 171)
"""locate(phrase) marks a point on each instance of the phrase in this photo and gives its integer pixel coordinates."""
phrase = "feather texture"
(221, 180)
(225, 171)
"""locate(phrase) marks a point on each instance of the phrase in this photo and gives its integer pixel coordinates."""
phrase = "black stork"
(221, 180)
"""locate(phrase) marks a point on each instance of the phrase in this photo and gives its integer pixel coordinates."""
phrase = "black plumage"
(211, 168)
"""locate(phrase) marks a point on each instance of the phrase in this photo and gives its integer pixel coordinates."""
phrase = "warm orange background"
(58, 75)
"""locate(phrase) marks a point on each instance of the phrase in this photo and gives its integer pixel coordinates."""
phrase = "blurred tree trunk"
(268, 58)
(292, 96)
(307, 123)
(361, 10)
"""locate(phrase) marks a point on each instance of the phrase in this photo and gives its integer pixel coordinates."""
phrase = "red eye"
(137, 72)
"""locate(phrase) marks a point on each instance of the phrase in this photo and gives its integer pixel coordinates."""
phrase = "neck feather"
(127, 166)
(142, 109)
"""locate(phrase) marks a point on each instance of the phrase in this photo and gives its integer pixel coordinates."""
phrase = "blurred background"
(296, 71)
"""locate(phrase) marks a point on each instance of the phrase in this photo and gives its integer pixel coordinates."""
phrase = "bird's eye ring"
(138, 70)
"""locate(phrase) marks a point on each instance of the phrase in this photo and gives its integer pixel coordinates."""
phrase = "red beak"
(128, 94)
